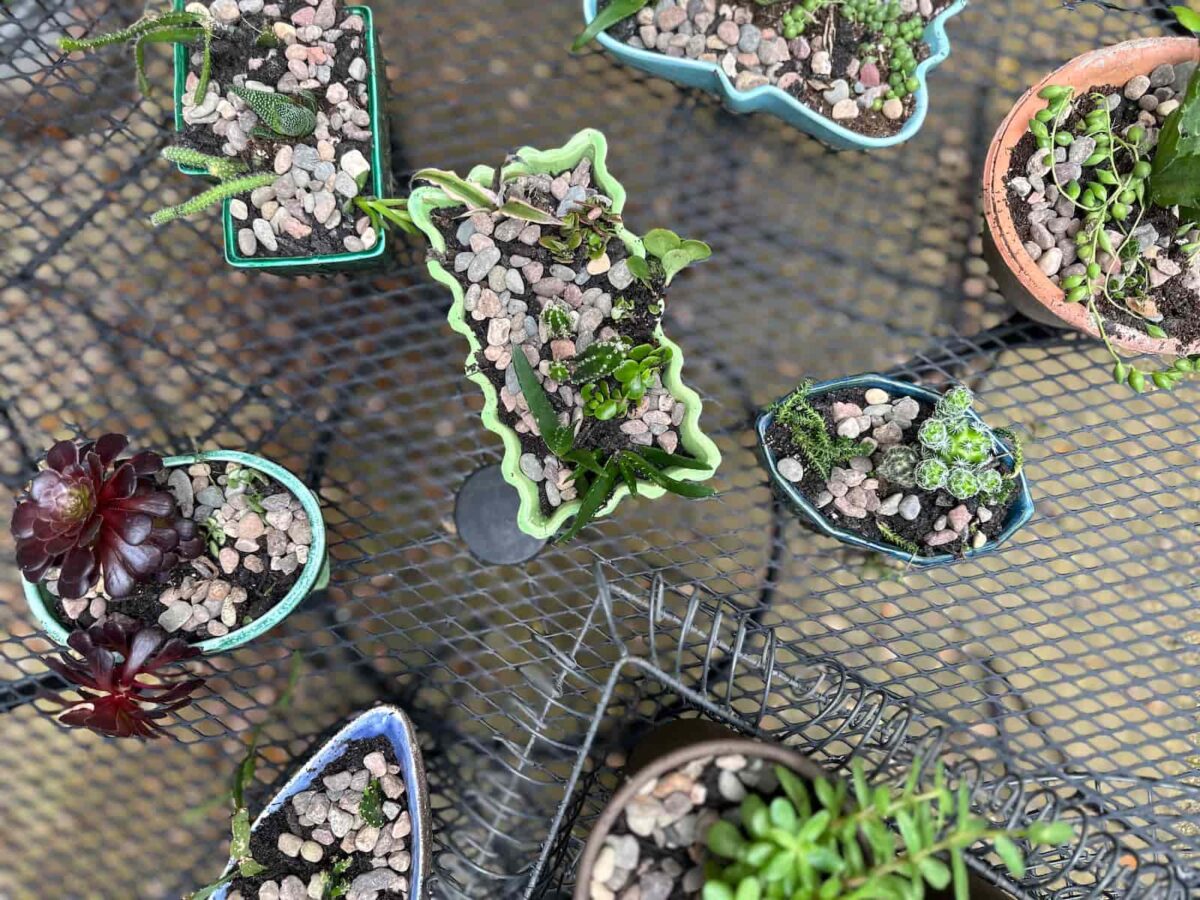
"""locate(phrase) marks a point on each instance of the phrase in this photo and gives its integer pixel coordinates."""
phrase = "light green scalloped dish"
(530, 518)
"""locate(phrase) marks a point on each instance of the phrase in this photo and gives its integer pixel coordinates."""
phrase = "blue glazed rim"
(1019, 513)
(771, 99)
(388, 722)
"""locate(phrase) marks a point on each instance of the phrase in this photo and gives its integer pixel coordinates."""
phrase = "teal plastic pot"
(381, 172)
(1019, 513)
(591, 144)
(313, 577)
(710, 77)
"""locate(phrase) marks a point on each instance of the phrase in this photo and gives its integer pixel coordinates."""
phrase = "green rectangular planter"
(380, 170)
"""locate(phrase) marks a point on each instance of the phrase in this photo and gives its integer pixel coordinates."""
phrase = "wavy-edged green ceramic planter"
(313, 577)
(592, 145)
(381, 170)
(770, 99)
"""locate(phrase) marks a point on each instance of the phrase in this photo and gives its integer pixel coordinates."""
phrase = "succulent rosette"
(113, 658)
(92, 515)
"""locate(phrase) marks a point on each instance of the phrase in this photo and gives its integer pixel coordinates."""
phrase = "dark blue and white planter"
(1019, 513)
(391, 724)
(710, 77)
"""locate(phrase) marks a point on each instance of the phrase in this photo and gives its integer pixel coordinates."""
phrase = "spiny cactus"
(598, 361)
(557, 320)
(220, 167)
(559, 372)
(991, 482)
(899, 466)
(968, 444)
(962, 482)
(934, 434)
(955, 403)
(282, 114)
(931, 474)
(162, 28)
(214, 194)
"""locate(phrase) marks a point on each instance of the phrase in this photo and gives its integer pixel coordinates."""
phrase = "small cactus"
(598, 361)
(931, 474)
(955, 403)
(215, 194)
(559, 372)
(968, 444)
(557, 321)
(934, 434)
(899, 466)
(962, 482)
(991, 483)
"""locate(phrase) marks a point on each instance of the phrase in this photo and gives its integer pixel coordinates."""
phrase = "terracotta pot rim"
(997, 214)
(794, 760)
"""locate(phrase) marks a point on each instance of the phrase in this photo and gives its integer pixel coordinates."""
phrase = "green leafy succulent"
(816, 842)
(603, 402)
(640, 367)
(282, 114)
(596, 475)
(158, 28)
(669, 253)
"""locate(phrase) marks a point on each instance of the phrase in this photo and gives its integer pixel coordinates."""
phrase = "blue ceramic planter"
(770, 99)
(1020, 512)
(389, 723)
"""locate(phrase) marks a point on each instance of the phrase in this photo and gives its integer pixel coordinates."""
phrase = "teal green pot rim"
(319, 262)
(313, 577)
(772, 100)
(590, 144)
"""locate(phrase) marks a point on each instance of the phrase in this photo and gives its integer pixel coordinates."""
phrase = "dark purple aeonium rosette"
(109, 675)
(89, 514)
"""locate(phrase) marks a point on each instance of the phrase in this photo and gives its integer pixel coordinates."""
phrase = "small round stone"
(876, 397)
(791, 469)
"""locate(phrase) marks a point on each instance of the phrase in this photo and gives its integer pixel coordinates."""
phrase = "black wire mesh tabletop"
(1061, 669)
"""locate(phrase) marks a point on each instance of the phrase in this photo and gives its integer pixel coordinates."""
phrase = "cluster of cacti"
(955, 453)
(285, 116)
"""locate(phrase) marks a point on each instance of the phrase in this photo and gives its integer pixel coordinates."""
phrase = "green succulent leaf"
(1010, 854)
(660, 241)
(717, 890)
(748, 889)
(593, 500)
(527, 212)
(639, 268)
(617, 11)
(1188, 18)
(239, 845)
(783, 814)
(281, 113)
(725, 840)
(1175, 175)
(558, 437)
(471, 195)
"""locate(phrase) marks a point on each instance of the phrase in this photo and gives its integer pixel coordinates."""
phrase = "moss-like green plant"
(284, 115)
(213, 195)
(885, 843)
(220, 167)
(159, 28)
(809, 433)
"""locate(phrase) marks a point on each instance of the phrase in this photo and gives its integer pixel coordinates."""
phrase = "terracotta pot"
(654, 758)
(1020, 280)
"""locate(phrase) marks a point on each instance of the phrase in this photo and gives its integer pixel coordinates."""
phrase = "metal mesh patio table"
(1062, 669)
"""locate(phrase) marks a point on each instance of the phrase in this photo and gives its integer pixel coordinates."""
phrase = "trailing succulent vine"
(1130, 174)
(883, 843)
(231, 187)
(158, 28)
(955, 453)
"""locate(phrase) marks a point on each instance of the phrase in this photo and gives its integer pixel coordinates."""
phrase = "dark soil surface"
(265, 839)
(637, 327)
(264, 589)
(848, 36)
(933, 504)
(1179, 306)
(231, 52)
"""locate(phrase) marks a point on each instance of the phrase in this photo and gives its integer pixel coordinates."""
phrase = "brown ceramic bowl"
(664, 760)
(1020, 280)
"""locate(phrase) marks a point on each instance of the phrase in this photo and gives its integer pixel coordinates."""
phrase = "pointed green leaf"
(593, 500)
(665, 460)
(958, 865)
(1011, 855)
(795, 789)
(725, 840)
(935, 872)
(466, 192)
(250, 867)
(527, 212)
(758, 853)
(815, 826)
(716, 890)
(781, 865)
(617, 11)
(825, 859)
(748, 889)
(639, 268)
(239, 845)
(558, 437)
(1188, 18)
(783, 814)
(1051, 833)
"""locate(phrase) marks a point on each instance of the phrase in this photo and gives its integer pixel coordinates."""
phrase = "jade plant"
(1126, 174)
(596, 477)
(169, 27)
(108, 671)
(93, 513)
(817, 842)
(955, 453)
